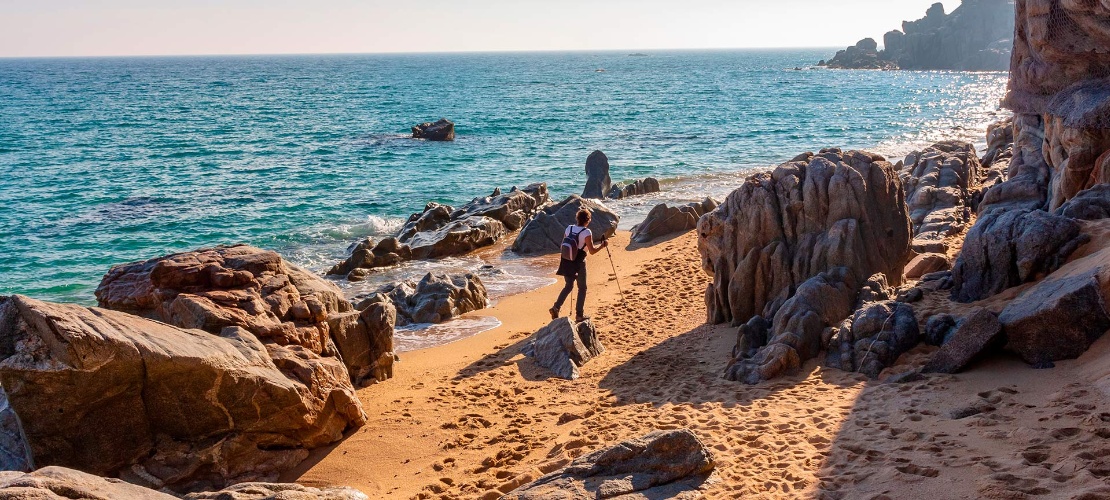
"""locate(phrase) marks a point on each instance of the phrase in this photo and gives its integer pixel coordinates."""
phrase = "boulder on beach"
(117, 395)
(1060, 317)
(544, 233)
(873, 338)
(973, 335)
(440, 130)
(564, 346)
(597, 176)
(215, 288)
(278, 491)
(939, 183)
(512, 209)
(664, 219)
(436, 297)
(660, 464)
(926, 263)
(838, 213)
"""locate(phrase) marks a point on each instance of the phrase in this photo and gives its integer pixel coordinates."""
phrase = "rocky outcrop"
(1058, 318)
(364, 339)
(436, 297)
(664, 219)
(564, 346)
(598, 182)
(976, 333)
(440, 130)
(661, 464)
(638, 188)
(1026, 176)
(1089, 204)
(1006, 248)
(544, 233)
(873, 338)
(118, 395)
(977, 36)
(939, 183)
(215, 288)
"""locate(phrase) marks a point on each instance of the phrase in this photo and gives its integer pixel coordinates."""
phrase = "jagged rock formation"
(118, 395)
(664, 219)
(544, 233)
(435, 298)
(1089, 204)
(441, 231)
(798, 245)
(661, 464)
(441, 130)
(215, 288)
(564, 346)
(940, 182)
(598, 182)
(638, 188)
(873, 338)
(977, 36)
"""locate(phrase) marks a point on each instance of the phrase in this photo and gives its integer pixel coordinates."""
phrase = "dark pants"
(580, 276)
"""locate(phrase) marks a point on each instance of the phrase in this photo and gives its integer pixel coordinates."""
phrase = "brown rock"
(544, 233)
(1058, 318)
(926, 263)
(441, 130)
(563, 346)
(49, 483)
(939, 182)
(978, 331)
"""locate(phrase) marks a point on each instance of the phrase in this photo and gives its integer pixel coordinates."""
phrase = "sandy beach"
(475, 418)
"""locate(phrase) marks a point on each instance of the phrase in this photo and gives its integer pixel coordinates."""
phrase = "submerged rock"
(544, 233)
(598, 182)
(661, 464)
(441, 130)
(563, 346)
(120, 395)
(436, 297)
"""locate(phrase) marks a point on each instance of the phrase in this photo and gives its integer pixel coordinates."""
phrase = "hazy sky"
(139, 27)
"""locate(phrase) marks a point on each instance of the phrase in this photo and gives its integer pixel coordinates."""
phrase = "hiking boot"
(579, 319)
(554, 313)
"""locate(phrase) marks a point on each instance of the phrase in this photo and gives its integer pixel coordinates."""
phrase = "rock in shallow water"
(436, 297)
(661, 464)
(598, 182)
(440, 130)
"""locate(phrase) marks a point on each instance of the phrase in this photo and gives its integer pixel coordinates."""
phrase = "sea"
(110, 160)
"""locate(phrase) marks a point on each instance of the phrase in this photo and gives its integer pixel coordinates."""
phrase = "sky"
(33, 28)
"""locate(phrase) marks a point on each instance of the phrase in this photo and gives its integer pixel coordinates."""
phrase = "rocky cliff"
(977, 36)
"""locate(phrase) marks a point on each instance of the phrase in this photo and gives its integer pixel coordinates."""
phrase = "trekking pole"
(615, 277)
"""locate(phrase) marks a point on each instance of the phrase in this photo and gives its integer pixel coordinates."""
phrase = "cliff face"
(977, 36)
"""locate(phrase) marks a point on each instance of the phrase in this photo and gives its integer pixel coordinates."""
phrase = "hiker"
(577, 239)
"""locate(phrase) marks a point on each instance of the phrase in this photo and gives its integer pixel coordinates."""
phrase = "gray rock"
(512, 208)
(436, 297)
(1027, 174)
(939, 182)
(563, 346)
(939, 328)
(638, 188)
(15, 455)
(1006, 248)
(979, 331)
(877, 335)
(456, 237)
(1058, 318)
(663, 220)
(598, 182)
(1089, 204)
(661, 464)
(926, 263)
(440, 130)
(544, 233)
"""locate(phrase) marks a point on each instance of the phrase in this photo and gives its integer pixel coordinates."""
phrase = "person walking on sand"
(577, 240)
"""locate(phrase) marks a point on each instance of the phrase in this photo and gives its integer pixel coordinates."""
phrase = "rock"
(361, 256)
(1000, 149)
(878, 333)
(14, 453)
(797, 329)
(50, 483)
(120, 395)
(511, 209)
(563, 346)
(875, 289)
(1089, 204)
(910, 295)
(751, 337)
(926, 263)
(278, 491)
(364, 339)
(544, 233)
(939, 329)
(456, 237)
(597, 176)
(863, 55)
(663, 220)
(437, 297)
(215, 288)
(638, 188)
(833, 209)
(939, 182)
(1006, 248)
(1058, 318)
(661, 464)
(976, 333)
(441, 130)
(1027, 174)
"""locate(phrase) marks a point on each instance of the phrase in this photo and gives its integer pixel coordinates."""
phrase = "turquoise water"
(110, 160)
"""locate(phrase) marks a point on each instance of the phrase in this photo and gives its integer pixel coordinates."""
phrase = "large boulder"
(974, 334)
(661, 464)
(597, 176)
(57, 483)
(456, 237)
(1006, 248)
(664, 219)
(873, 338)
(364, 340)
(564, 346)
(215, 288)
(440, 130)
(544, 233)
(1027, 175)
(939, 182)
(813, 214)
(1058, 318)
(436, 297)
(863, 55)
(118, 395)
